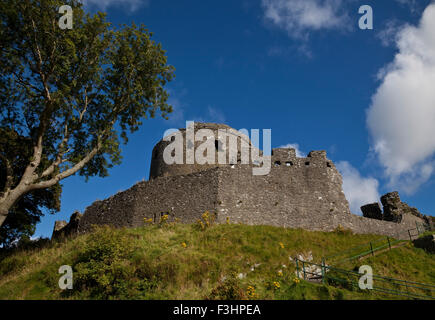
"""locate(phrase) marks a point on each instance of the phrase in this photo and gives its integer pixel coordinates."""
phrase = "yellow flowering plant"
(206, 220)
(148, 221)
(250, 293)
(276, 285)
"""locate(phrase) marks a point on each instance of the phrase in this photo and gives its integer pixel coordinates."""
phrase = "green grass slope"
(188, 262)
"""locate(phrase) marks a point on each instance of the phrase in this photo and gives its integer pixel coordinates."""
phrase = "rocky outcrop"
(58, 227)
(64, 229)
(372, 211)
(427, 243)
(393, 207)
(395, 210)
(310, 271)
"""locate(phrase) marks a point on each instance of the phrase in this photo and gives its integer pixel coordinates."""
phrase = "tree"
(24, 215)
(71, 94)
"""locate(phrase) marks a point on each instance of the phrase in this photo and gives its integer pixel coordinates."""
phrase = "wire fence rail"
(332, 275)
(350, 280)
(371, 247)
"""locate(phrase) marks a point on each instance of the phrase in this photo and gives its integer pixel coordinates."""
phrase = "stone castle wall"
(297, 193)
(310, 204)
(290, 196)
(183, 196)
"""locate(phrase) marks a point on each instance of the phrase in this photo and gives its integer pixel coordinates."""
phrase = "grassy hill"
(177, 261)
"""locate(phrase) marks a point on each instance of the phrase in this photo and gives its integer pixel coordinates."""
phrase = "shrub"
(13, 264)
(228, 290)
(103, 265)
(164, 220)
(251, 293)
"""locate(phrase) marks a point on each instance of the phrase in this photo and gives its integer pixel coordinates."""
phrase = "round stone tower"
(193, 139)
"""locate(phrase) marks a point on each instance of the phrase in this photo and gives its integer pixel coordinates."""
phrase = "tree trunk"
(9, 200)
(27, 183)
(3, 214)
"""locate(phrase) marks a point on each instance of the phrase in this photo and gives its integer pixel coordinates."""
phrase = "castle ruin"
(297, 193)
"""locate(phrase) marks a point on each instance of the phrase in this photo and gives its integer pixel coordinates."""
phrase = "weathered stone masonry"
(182, 196)
(297, 193)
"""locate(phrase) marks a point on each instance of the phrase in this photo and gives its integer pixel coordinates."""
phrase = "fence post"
(416, 224)
(303, 269)
(409, 233)
(371, 249)
(323, 270)
(297, 267)
(389, 244)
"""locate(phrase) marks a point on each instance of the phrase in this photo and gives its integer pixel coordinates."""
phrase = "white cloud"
(358, 190)
(300, 17)
(132, 5)
(299, 153)
(388, 34)
(401, 117)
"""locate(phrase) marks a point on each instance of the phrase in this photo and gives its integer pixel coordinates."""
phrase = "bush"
(103, 265)
(228, 290)
(13, 264)
(13, 259)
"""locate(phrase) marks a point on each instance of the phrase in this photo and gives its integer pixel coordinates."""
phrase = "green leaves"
(89, 78)
(74, 94)
(103, 264)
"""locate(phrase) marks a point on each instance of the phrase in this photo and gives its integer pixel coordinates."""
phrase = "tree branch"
(66, 173)
(60, 153)
(9, 174)
(59, 158)
(75, 168)
(24, 83)
(85, 106)
(40, 62)
(29, 173)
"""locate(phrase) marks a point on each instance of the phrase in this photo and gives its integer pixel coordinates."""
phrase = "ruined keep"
(394, 210)
(296, 193)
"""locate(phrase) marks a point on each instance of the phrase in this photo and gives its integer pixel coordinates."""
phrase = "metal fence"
(329, 274)
(350, 280)
(365, 249)
(371, 247)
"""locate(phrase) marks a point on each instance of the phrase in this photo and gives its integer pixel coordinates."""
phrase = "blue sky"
(302, 68)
